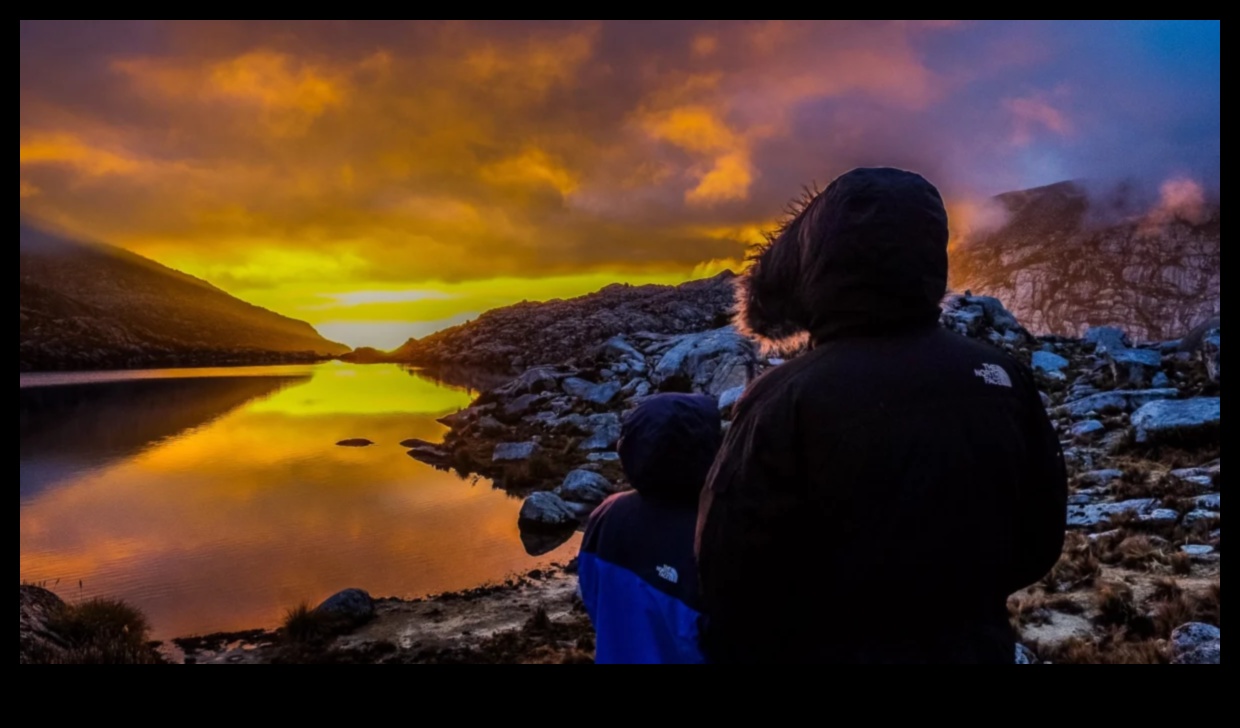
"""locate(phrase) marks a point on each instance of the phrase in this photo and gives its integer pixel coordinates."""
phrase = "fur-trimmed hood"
(867, 253)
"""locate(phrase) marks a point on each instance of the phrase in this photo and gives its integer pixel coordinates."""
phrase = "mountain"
(1066, 259)
(526, 334)
(93, 306)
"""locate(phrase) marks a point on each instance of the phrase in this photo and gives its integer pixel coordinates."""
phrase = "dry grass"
(1077, 565)
(102, 632)
(305, 625)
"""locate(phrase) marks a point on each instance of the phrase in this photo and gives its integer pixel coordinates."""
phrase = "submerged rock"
(355, 442)
(510, 451)
(354, 606)
(545, 510)
(1177, 419)
(427, 452)
(1196, 643)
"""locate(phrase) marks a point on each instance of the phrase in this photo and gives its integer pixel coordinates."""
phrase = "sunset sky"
(383, 180)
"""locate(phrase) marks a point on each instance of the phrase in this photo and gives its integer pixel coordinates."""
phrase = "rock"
(604, 432)
(520, 405)
(488, 425)
(532, 381)
(355, 442)
(1211, 352)
(1197, 549)
(37, 641)
(1112, 337)
(1194, 418)
(1045, 399)
(728, 397)
(977, 316)
(545, 510)
(1087, 430)
(539, 541)
(1160, 380)
(1198, 515)
(710, 362)
(1201, 478)
(1025, 656)
(456, 419)
(427, 452)
(1196, 643)
(584, 486)
(589, 391)
(603, 457)
(1047, 361)
(1088, 516)
(619, 350)
(1210, 501)
(509, 451)
(1119, 400)
(1159, 517)
(353, 606)
(1099, 477)
(1133, 367)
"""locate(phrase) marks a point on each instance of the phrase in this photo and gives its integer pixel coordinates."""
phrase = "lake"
(215, 499)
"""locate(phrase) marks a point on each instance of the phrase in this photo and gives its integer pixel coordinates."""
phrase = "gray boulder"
(619, 350)
(1119, 400)
(1099, 477)
(604, 432)
(1197, 549)
(512, 451)
(710, 361)
(591, 392)
(1048, 361)
(728, 397)
(520, 405)
(1196, 643)
(354, 606)
(1199, 515)
(584, 486)
(533, 381)
(1133, 367)
(1210, 501)
(545, 510)
(1181, 418)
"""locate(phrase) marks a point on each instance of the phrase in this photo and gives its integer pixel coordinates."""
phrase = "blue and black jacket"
(637, 569)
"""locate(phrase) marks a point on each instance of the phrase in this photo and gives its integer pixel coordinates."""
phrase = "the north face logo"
(667, 573)
(994, 374)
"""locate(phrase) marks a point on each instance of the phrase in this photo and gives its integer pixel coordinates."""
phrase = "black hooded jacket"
(877, 498)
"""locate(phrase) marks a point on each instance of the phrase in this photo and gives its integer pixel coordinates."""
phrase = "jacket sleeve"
(1043, 498)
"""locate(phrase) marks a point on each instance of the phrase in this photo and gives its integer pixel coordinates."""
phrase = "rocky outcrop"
(515, 338)
(546, 510)
(348, 606)
(38, 643)
(1065, 260)
(91, 306)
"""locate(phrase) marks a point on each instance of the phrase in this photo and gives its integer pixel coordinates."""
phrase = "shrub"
(102, 632)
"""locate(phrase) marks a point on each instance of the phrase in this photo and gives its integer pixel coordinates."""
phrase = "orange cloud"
(1030, 113)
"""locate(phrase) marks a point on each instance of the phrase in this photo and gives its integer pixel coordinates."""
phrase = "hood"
(868, 253)
(668, 444)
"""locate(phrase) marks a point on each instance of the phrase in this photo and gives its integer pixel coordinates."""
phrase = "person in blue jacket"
(637, 570)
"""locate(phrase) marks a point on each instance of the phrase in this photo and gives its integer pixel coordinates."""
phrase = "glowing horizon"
(383, 180)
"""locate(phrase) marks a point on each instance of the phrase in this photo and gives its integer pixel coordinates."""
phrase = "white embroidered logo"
(994, 374)
(667, 573)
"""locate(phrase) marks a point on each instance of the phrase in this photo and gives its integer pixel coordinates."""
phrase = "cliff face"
(85, 306)
(1062, 263)
(515, 337)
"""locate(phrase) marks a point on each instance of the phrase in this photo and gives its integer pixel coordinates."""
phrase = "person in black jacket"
(877, 498)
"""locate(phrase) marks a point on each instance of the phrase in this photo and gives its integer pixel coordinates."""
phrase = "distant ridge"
(94, 306)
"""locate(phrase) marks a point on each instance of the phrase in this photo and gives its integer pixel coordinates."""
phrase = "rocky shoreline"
(1140, 575)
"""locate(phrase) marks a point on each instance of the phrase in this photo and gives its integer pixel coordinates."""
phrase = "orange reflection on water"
(223, 524)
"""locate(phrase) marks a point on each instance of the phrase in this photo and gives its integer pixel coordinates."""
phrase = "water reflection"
(217, 503)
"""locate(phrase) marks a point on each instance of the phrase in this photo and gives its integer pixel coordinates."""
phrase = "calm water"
(215, 499)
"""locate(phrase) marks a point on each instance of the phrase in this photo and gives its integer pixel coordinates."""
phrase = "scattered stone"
(1099, 477)
(1160, 380)
(545, 510)
(488, 425)
(1119, 400)
(1086, 430)
(520, 405)
(1112, 337)
(604, 432)
(1159, 517)
(1197, 549)
(1180, 419)
(1196, 643)
(584, 486)
(1097, 514)
(355, 442)
(1047, 361)
(38, 643)
(603, 457)
(1198, 515)
(1210, 501)
(591, 392)
(711, 361)
(509, 451)
(354, 606)
(1025, 656)
(1133, 367)
(728, 397)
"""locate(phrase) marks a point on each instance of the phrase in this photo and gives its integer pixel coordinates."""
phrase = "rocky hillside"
(90, 306)
(1064, 261)
(1140, 424)
(514, 338)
